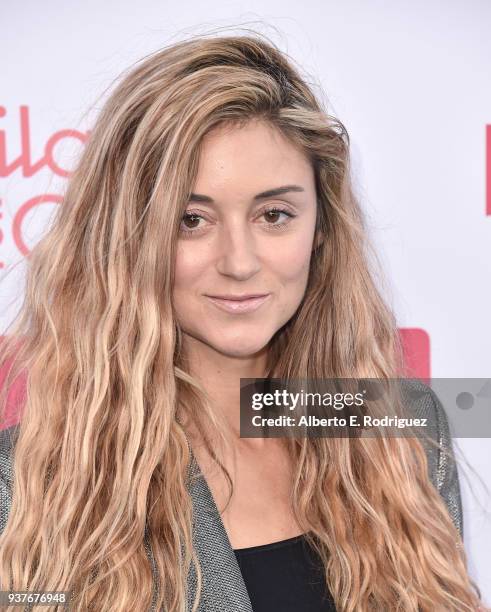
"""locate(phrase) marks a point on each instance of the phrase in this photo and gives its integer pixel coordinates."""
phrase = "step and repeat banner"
(411, 83)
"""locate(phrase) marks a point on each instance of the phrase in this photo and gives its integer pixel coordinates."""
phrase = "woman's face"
(248, 230)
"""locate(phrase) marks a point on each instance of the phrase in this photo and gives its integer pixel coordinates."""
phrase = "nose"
(238, 253)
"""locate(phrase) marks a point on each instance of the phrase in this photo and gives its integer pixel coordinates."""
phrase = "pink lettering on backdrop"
(24, 160)
(21, 214)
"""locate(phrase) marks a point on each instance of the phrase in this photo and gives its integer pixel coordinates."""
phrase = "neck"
(220, 376)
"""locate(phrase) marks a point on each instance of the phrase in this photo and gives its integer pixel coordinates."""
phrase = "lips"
(239, 303)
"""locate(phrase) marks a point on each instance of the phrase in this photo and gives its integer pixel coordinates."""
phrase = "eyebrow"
(270, 193)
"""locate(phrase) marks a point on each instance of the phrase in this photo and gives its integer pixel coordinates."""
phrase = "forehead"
(251, 157)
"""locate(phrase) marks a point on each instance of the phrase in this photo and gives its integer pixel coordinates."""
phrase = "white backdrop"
(410, 80)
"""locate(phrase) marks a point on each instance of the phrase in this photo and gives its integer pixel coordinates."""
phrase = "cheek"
(188, 272)
(291, 270)
(292, 263)
(189, 267)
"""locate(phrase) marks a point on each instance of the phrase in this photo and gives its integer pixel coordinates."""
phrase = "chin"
(240, 347)
(247, 350)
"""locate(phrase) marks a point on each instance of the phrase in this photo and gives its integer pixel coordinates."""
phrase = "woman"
(210, 233)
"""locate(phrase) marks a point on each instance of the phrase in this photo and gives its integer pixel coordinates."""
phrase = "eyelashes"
(273, 210)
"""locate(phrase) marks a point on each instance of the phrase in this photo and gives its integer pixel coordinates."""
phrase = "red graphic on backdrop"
(24, 161)
(416, 349)
(16, 396)
(2, 264)
(488, 169)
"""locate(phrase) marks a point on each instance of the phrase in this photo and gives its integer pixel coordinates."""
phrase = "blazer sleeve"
(447, 475)
(7, 443)
(442, 465)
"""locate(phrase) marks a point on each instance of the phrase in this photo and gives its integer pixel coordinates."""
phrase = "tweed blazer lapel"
(223, 588)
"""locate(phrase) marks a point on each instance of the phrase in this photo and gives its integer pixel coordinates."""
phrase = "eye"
(190, 223)
(274, 218)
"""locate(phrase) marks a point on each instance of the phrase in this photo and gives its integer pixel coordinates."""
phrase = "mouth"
(239, 303)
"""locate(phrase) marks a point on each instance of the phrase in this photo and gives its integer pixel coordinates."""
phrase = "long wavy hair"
(102, 456)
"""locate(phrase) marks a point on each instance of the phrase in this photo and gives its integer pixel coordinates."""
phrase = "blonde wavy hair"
(102, 455)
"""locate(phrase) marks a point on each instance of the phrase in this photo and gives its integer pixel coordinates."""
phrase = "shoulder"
(8, 438)
(423, 402)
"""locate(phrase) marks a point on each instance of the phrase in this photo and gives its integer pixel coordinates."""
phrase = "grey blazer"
(224, 589)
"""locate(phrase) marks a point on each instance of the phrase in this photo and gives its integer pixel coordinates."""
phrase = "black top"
(285, 576)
